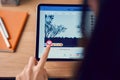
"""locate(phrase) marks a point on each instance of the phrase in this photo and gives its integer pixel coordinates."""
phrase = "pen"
(4, 37)
(3, 28)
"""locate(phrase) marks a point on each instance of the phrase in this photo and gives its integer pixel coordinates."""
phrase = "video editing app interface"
(60, 26)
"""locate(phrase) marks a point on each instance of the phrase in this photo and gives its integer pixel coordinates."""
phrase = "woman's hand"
(33, 71)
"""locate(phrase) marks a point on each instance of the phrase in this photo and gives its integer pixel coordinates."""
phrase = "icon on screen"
(49, 42)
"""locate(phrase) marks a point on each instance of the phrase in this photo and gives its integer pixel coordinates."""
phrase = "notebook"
(14, 22)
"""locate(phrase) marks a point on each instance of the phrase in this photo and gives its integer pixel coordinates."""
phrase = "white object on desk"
(4, 33)
(3, 28)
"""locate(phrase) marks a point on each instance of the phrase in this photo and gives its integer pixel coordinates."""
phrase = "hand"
(33, 71)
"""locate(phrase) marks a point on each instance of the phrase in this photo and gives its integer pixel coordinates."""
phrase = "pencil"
(4, 37)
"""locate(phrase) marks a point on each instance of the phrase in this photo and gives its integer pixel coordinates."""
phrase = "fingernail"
(48, 45)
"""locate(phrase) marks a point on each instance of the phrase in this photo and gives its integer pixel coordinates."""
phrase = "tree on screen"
(52, 30)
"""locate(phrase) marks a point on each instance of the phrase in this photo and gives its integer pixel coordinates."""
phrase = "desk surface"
(13, 63)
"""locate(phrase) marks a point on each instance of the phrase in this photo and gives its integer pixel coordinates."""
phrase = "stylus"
(4, 37)
(3, 28)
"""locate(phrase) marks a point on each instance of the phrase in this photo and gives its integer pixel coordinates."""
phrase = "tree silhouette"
(50, 29)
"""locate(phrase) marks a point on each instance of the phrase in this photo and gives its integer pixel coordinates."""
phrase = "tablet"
(59, 25)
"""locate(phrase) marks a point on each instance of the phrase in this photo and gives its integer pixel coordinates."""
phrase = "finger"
(45, 74)
(31, 62)
(43, 58)
(25, 68)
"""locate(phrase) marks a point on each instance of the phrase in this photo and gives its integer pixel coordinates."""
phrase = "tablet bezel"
(37, 31)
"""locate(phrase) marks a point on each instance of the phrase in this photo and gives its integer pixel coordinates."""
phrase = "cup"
(10, 2)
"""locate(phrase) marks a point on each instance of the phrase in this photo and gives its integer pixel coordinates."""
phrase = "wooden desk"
(13, 63)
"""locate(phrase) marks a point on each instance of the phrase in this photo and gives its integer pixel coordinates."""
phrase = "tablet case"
(14, 22)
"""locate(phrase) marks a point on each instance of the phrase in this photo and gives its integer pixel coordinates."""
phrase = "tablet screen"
(60, 26)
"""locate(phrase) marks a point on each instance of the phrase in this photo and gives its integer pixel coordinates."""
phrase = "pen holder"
(10, 2)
